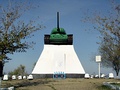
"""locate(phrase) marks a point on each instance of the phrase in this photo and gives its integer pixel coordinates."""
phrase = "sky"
(71, 14)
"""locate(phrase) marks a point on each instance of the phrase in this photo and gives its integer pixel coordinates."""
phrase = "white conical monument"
(58, 56)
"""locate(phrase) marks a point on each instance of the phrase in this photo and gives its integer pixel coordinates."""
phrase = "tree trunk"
(1, 69)
(117, 73)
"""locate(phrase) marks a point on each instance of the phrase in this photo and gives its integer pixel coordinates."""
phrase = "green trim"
(58, 36)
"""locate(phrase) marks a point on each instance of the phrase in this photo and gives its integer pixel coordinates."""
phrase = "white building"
(58, 58)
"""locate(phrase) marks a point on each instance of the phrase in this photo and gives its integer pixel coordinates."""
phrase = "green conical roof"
(58, 35)
(60, 31)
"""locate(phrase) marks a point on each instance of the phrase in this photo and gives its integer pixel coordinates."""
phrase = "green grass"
(117, 84)
(103, 87)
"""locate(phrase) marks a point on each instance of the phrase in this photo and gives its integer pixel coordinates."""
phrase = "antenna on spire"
(58, 22)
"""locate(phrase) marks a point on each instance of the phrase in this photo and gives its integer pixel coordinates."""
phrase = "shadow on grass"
(103, 87)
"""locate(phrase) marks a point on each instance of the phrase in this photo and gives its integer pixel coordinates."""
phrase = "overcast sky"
(71, 14)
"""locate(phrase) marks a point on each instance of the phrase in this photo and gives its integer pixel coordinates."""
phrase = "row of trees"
(21, 70)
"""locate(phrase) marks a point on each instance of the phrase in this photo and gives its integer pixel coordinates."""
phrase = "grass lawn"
(59, 84)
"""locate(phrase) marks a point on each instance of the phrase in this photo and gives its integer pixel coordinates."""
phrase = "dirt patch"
(58, 84)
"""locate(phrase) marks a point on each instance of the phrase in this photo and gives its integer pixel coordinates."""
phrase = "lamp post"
(98, 60)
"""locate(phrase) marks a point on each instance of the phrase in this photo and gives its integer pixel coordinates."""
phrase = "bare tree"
(109, 28)
(14, 31)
